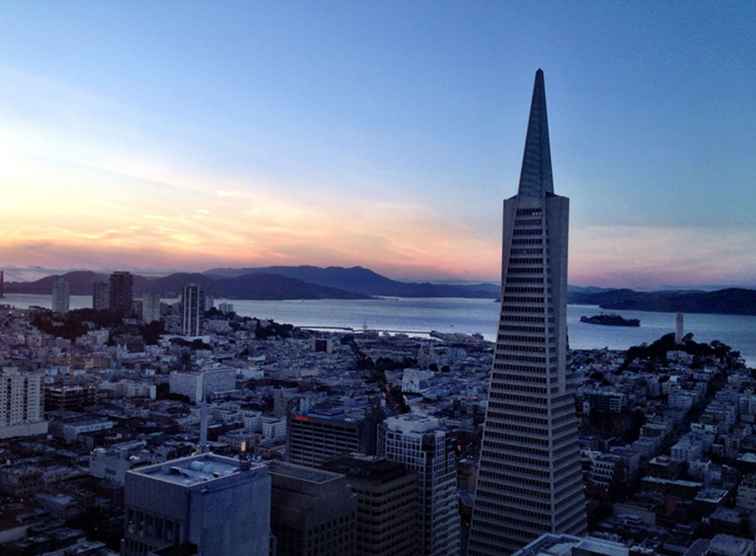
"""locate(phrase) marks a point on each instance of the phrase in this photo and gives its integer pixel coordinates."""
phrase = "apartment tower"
(530, 480)
(121, 293)
(61, 296)
(101, 296)
(192, 309)
(21, 403)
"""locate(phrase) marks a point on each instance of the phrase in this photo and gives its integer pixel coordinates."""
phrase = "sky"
(160, 136)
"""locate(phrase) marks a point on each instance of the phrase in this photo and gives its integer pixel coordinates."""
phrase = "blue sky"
(188, 134)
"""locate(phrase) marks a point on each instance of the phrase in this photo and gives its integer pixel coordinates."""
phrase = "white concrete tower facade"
(529, 480)
(61, 296)
(421, 445)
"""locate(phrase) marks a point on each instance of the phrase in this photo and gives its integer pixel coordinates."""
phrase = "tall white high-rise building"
(192, 309)
(150, 307)
(530, 480)
(422, 446)
(21, 403)
(61, 296)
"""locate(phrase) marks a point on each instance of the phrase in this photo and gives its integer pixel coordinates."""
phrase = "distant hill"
(732, 301)
(256, 286)
(363, 281)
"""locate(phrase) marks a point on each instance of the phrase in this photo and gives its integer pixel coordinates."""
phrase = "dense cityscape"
(148, 427)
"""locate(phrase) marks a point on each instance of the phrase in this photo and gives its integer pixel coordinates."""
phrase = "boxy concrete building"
(218, 504)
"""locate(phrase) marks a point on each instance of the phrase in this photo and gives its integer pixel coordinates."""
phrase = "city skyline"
(377, 137)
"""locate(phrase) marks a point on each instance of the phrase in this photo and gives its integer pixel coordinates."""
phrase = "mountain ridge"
(258, 286)
(312, 282)
(365, 281)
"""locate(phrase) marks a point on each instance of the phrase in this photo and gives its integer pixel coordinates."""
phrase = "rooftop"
(368, 467)
(412, 423)
(550, 544)
(193, 470)
(301, 472)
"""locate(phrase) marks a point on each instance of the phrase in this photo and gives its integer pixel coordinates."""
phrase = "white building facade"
(421, 445)
(21, 404)
(61, 296)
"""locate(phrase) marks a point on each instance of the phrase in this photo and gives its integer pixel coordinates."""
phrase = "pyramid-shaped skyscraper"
(529, 478)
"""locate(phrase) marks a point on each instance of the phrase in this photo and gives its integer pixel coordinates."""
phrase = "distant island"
(730, 301)
(610, 320)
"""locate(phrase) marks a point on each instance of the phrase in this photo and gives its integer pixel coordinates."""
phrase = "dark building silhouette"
(386, 504)
(101, 296)
(69, 397)
(121, 293)
(312, 511)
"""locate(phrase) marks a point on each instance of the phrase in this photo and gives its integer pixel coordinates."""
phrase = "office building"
(192, 309)
(69, 397)
(530, 481)
(100, 296)
(21, 404)
(220, 505)
(150, 307)
(121, 293)
(111, 464)
(324, 433)
(312, 511)
(61, 296)
(421, 445)
(386, 504)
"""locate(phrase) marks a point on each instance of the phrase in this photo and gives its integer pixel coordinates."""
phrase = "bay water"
(421, 315)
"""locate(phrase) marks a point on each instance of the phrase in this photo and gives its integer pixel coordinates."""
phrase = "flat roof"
(193, 470)
(302, 472)
(367, 467)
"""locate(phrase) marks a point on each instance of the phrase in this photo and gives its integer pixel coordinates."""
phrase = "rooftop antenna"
(203, 419)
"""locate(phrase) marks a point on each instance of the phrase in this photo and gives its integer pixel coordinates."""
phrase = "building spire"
(535, 178)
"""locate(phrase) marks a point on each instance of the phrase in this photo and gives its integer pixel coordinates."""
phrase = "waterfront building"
(386, 494)
(192, 309)
(121, 293)
(101, 296)
(220, 505)
(150, 307)
(421, 445)
(226, 308)
(21, 404)
(530, 480)
(61, 296)
(324, 433)
(312, 511)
